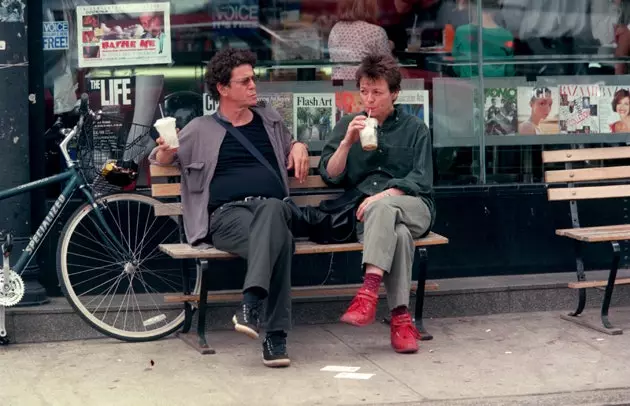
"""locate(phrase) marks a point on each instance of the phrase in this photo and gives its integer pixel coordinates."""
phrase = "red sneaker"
(362, 310)
(404, 334)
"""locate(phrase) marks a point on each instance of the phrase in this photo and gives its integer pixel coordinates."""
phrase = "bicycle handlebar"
(83, 110)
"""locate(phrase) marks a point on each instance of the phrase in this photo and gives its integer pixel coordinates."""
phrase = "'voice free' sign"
(56, 34)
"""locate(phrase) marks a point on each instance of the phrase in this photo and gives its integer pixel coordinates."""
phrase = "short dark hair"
(358, 10)
(376, 67)
(220, 67)
(619, 96)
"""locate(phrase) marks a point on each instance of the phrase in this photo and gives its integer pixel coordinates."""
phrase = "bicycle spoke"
(95, 259)
(157, 247)
(122, 234)
(96, 287)
(113, 297)
(113, 250)
(162, 279)
(88, 270)
(87, 249)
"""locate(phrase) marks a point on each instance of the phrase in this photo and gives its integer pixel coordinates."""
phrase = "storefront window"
(496, 81)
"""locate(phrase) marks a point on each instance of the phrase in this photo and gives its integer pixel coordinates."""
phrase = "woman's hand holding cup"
(354, 129)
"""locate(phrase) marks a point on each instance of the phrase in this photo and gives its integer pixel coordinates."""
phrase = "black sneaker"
(275, 351)
(246, 319)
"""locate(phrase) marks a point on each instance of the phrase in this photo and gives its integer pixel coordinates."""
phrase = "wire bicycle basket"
(109, 151)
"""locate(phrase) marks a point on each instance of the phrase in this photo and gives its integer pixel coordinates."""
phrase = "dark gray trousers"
(260, 232)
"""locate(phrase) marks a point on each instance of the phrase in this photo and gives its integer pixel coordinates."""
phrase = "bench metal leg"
(188, 310)
(581, 277)
(422, 279)
(611, 285)
(198, 341)
(606, 326)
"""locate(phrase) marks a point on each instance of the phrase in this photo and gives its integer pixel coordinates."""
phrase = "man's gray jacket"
(197, 156)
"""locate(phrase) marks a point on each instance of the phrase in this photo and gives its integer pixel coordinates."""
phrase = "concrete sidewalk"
(513, 359)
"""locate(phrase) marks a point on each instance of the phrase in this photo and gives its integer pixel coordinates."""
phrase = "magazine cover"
(500, 111)
(124, 34)
(313, 116)
(282, 102)
(578, 112)
(414, 102)
(538, 109)
(348, 102)
(210, 106)
(614, 109)
(130, 107)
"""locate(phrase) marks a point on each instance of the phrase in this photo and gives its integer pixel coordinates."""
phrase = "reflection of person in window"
(152, 25)
(540, 103)
(355, 36)
(621, 106)
(497, 43)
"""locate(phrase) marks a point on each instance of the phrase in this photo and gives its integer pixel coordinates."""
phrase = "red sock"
(372, 282)
(399, 311)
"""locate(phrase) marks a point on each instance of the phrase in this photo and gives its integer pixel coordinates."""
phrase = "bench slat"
(312, 200)
(175, 209)
(588, 174)
(311, 182)
(158, 171)
(185, 251)
(168, 209)
(166, 190)
(589, 192)
(236, 296)
(597, 284)
(597, 234)
(574, 155)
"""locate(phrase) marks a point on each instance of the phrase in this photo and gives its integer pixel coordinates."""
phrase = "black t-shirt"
(239, 174)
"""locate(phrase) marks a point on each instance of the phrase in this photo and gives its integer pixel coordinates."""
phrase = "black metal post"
(35, 292)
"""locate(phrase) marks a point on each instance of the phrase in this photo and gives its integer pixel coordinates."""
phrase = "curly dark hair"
(376, 67)
(220, 67)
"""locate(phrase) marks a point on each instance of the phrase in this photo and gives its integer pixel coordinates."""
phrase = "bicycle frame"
(75, 181)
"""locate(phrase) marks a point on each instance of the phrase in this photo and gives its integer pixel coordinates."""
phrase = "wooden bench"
(583, 183)
(310, 192)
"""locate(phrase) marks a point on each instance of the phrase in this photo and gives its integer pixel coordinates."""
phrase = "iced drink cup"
(166, 127)
(369, 141)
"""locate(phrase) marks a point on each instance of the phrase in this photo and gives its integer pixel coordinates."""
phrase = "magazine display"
(348, 102)
(579, 109)
(614, 109)
(282, 103)
(538, 110)
(500, 111)
(313, 116)
(414, 102)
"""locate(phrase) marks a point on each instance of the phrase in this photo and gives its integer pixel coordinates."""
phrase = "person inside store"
(234, 201)
(394, 182)
(356, 35)
(497, 42)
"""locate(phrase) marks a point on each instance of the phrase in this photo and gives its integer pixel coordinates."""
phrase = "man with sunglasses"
(234, 200)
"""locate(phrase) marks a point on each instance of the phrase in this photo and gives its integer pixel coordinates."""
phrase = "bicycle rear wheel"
(119, 290)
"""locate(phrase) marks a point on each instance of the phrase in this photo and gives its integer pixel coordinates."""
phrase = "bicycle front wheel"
(119, 288)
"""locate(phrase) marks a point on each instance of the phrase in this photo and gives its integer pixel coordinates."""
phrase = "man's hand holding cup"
(168, 141)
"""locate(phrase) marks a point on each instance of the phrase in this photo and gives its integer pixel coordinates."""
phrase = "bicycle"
(108, 262)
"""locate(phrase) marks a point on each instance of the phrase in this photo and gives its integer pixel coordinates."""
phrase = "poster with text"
(313, 116)
(124, 34)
